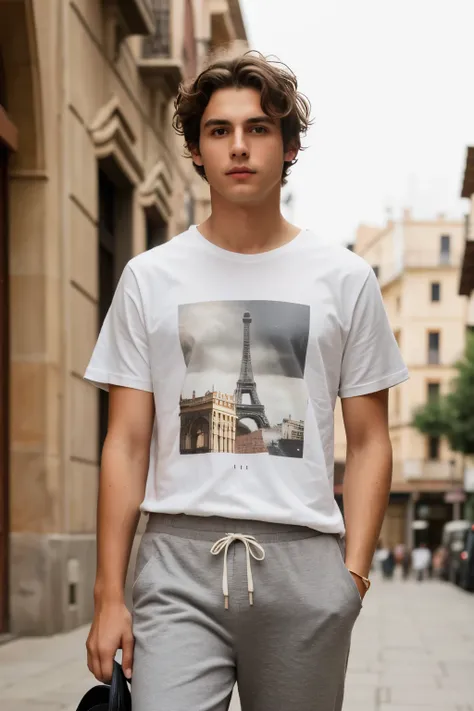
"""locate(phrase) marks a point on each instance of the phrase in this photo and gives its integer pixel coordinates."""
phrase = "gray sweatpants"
(287, 651)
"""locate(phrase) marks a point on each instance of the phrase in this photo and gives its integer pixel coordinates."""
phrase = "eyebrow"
(254, 120)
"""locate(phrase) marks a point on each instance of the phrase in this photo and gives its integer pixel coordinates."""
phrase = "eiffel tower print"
(244, 391)
(246, 384)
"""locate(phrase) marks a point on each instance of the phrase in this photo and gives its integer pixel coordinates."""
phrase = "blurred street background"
(91, 174)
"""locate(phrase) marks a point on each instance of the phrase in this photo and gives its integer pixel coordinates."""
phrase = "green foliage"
(431, 419)
(452, 416)
(460, 403)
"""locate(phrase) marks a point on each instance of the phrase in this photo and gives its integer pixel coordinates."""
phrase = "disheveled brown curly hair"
(278, 89)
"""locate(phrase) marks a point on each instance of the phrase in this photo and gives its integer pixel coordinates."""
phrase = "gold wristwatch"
(366, 581)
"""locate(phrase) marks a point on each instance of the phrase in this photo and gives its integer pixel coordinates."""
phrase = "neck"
(247, 228)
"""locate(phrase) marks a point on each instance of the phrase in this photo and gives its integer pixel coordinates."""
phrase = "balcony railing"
(443, 470)
(429, 259)
(159, 44)
(157, 65)
(415, 259)
(433, 356)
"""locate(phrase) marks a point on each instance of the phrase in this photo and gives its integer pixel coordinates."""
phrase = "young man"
(225, 349)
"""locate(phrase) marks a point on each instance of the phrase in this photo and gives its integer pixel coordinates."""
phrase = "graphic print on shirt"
(244, 391)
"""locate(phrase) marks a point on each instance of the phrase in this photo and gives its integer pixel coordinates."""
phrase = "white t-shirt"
(245, 355)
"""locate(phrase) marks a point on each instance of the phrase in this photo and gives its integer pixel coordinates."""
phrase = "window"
(156, 230)
(433, 392)
(114, 250)
(107, 274)
(433, 447)
(435, 291)
(445, 249)
(433, 347)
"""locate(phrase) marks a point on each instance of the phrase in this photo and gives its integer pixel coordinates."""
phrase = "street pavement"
(412, 649)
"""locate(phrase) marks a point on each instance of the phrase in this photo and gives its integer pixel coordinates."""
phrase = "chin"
(247, 198)
(246, 194)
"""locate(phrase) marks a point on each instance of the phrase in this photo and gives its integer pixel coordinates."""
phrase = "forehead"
(233, 104)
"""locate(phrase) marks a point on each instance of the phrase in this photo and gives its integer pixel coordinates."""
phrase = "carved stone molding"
(113, 137)
(156, 190)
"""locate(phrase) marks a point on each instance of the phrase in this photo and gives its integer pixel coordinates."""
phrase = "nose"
(239, 148)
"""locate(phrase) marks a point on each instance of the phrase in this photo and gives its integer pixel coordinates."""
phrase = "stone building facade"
(91, 174)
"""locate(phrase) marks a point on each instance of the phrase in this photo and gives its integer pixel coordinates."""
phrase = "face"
(240, 147)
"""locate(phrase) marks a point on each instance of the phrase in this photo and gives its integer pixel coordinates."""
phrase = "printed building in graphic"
(292, 429)
(251, 443)
(208, 423)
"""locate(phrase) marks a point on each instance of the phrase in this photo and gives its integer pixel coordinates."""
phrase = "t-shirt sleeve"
(121, 354)
(371, 359)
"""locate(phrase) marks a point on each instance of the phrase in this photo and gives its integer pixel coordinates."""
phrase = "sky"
(391, 88)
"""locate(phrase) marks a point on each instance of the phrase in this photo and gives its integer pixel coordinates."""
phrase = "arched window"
(200, 435)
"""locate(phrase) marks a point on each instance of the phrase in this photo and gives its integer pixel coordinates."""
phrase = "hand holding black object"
(108, 697)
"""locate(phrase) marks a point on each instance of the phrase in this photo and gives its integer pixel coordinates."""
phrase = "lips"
(240, 170)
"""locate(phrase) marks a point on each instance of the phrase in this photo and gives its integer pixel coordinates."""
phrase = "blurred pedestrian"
(421, 561)
(406, 563)
(399, 553)
(388, 564)
(439, 560)
(380, 555)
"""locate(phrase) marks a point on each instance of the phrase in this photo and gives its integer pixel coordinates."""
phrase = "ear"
(290, 153)
(195, 155)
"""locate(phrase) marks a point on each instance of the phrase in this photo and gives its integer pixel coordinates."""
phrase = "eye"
(259, 129)
(215, 132)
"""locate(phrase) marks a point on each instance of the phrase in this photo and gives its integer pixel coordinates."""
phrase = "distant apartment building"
(91, 174)
(417, 264)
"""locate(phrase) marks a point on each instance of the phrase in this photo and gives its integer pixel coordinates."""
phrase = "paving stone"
(362, 678)
(433, 697)
(414, 679)
(359, 694)
(18, 705)
(418, 707)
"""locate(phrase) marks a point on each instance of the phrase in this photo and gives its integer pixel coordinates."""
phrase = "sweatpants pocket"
(147, 553)
(347, 575)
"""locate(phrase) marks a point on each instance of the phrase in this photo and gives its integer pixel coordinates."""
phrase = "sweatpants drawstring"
(252, 548)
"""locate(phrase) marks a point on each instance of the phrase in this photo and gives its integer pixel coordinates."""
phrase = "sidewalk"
(412, 650)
